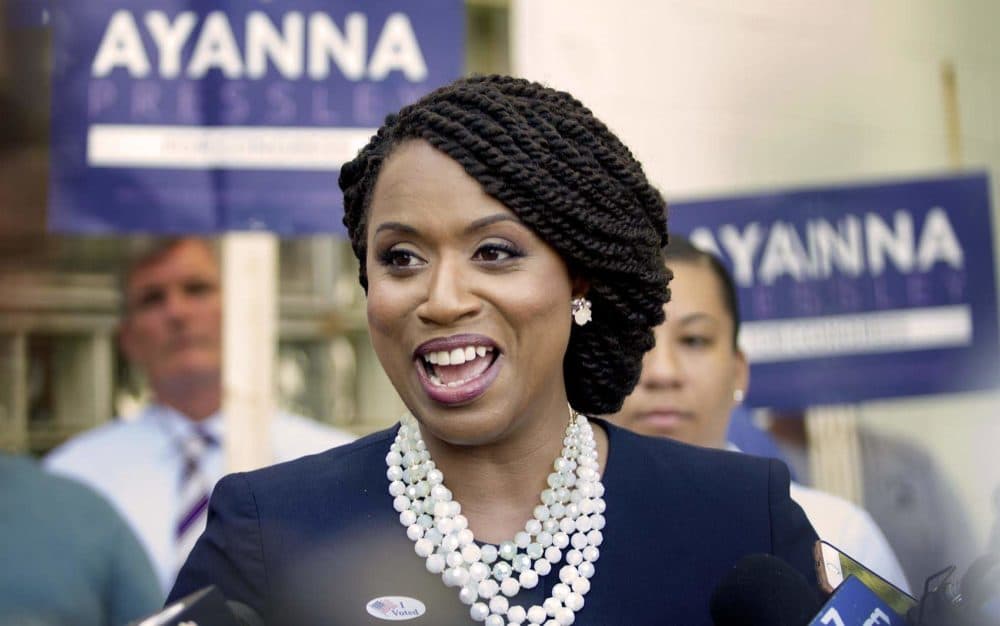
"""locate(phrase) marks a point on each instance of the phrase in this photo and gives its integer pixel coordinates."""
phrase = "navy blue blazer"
(313, 541)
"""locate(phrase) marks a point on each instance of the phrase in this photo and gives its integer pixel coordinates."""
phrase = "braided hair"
(568, 178)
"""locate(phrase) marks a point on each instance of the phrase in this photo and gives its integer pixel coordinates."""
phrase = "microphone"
(763, 590)
(205, 606)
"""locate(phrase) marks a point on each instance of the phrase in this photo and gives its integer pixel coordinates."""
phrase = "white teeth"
(457, 356)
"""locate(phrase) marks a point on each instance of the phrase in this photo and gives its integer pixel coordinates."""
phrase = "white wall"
(721, 97)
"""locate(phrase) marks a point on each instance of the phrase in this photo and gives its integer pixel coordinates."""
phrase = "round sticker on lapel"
(395, 608)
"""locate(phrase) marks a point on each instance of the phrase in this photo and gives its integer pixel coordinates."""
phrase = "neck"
(195, 401)
(498, 485)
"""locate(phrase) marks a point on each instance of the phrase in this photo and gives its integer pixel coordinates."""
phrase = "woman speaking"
(509, 245)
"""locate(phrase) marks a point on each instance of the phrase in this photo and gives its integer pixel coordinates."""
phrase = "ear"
(741, 377)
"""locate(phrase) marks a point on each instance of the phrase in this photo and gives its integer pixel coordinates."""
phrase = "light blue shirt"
(136, 464)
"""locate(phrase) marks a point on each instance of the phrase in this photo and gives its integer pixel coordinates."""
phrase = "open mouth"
(458, 366)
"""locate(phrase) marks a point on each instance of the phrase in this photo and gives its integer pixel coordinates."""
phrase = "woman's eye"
(399, 258)
(696, 341)
(492, 253)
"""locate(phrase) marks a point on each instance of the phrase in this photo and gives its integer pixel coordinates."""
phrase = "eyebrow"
(697, 316)
(479, 224)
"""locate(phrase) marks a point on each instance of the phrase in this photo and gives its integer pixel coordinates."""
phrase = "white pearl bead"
(453, 559)
(435, 477)
(522, 539)
(574, 557)
(449, 543)
(591, 553)
(499, 604)
(581, 585)
(479, 611)
(440, 509)
(534, 526)
(567, 525)
(541, 512)
(568, 574)
(586, 569)
(488, 588)
(488, 553)
(423, 547)
(536, 614)
(583, 524)
(407, 518)
(553, 554)
(550, 605)
(578, 541)
(598, 521)
(396, 488)
(560, 591)
(528, 579)
(465, 537)
(545, 539)
(564, 616)
(394, 473)
(516, 614)
(478, 571)
(543, 567)
(461, 522)
(494, 620)
(502, 570)
(560, 540)
(415, 532)
(435, 564)
(595, 537)
(468, 595)
(440, 493)
(574, 601)
(509, 586)
(507, 550)
(401, 503)
(470, 552)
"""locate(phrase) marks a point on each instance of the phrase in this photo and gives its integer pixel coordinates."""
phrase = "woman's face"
(688, 378)
(469, 311)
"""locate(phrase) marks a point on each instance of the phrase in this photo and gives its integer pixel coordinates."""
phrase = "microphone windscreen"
(763, 590)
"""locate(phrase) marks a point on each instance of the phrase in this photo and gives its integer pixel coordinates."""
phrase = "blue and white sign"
(197, 116)
(854, 604)
(859, 292)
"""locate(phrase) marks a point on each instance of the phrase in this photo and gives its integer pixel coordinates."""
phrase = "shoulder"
(295, 435)
(352, 462)
(705, 467)
(24, 477)
(107, 441)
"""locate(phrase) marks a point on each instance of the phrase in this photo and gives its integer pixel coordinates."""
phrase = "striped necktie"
(194, 489)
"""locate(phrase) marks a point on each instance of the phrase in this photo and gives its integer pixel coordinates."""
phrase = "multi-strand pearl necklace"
(566, 527)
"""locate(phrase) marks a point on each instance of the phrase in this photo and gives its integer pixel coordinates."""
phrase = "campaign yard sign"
(199, 116)
(859, 292)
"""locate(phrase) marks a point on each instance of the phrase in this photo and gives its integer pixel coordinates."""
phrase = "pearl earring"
(581, 311)
(738, 395)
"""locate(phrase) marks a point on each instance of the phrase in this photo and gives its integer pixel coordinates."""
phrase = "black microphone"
(205, 606)
(763, 590)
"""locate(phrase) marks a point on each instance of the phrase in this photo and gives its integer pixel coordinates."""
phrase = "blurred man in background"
(159, 469)
(696, 374)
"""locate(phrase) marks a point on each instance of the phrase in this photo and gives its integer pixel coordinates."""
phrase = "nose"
(176, 304)
(449, 296)
(661, 367)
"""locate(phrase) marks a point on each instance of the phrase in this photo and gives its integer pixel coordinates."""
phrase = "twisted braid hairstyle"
(571, 180)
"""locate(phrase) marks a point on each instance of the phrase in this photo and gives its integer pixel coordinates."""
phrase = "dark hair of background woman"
(566, 176)
(680, 248)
